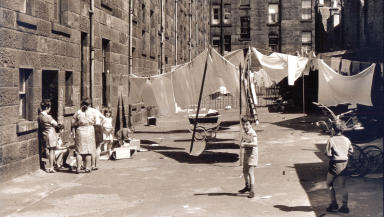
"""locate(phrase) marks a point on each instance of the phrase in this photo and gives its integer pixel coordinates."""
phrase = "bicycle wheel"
(374, 158)
(357, 164)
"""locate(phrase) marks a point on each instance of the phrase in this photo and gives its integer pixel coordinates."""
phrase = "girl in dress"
(107, 131)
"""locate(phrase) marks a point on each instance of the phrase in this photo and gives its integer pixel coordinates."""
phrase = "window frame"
(306, 43)
(25, 76)
(245, 28)
(270, 18)
(306, 12)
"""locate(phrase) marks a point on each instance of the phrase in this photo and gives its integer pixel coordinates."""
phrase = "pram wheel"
(200, 133)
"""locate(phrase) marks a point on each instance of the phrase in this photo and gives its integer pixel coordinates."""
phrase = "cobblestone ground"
(167, 181)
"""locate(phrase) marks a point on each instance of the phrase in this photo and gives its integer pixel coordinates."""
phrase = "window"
(24, 83)
(273, 41)
(244, 3)
(143, 13)
(320, 3)
(68, 89)
(105, 73)
(216, 40)
(215, 14)
(227, 43)
(227, 13)
(245, 31)
(335, 4)
(306, 9)
(336, 20)
(58, 11)
(306, 41)
(84, 65)
(273, 13)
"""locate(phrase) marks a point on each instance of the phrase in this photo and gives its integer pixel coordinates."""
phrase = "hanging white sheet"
(279, 65)
(236, 57)
(164, 94)
(336, 89)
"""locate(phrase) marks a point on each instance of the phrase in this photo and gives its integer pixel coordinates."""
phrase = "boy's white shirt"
(250, 140)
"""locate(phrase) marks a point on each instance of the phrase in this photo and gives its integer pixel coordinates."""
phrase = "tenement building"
(66, 50)
(272, 25)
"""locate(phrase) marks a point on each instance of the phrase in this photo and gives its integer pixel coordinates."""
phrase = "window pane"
(306, 4)
(21, 81)
(306, 37)
(68, 89)
(22, 106)
(273, 13)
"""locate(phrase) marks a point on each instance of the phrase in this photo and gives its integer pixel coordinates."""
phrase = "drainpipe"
(176, 32)
(221, 28)
(162, 36)
(92, 49)
(130, 38)
(190, 30)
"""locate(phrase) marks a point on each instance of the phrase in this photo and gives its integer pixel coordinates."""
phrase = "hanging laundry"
(279, 65)
(335, 63)
(164, 94)
(345, 67)
(355, 67)
(148, 94)
(364, 65)
(136, 88)
(236, 57)
(336, 89)
(184, 91)
(226, 74)
(262, 79)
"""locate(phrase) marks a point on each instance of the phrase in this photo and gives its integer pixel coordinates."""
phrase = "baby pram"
(207, 125)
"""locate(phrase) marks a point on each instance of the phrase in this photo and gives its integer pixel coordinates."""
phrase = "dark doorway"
(50, 89)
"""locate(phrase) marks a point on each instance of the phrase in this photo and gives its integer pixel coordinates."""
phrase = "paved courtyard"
(167, 181)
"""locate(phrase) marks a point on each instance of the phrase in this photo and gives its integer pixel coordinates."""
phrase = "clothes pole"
(240, 132)
(199, 103)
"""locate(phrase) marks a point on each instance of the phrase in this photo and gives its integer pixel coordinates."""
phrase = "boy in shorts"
(338, 150)
(249, 143)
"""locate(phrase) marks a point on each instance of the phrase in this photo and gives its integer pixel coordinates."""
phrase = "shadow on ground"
(362, 191)
(221, 194)
(207, 157)
(294, 208)
(301, 123)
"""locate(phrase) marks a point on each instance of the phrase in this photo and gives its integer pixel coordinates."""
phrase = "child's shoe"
(344, 209)
(245, 189)
(333, 207)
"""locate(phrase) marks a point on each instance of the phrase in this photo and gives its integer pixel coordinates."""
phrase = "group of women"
(84, 123)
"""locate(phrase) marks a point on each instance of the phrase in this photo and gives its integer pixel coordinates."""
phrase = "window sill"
(306, 21)
(69, 110)
(26, 126)
(273, 24)
(244, 39)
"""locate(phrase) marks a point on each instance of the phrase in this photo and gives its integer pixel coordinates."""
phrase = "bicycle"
(357, 163)
(358, 130)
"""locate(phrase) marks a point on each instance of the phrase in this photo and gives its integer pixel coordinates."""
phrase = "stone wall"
(361, 28)
(51, 39)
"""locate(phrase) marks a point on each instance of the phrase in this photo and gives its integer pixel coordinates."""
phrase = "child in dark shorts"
(338, 150)
(249, 143)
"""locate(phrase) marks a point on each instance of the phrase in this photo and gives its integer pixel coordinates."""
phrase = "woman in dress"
(48, 130)
(83, 121)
